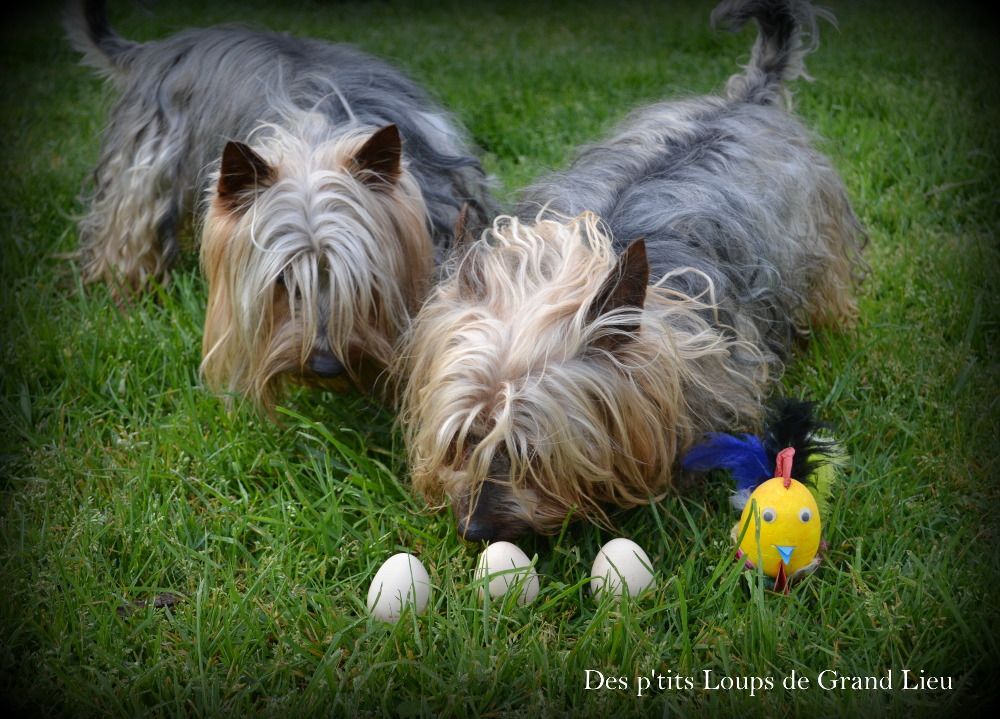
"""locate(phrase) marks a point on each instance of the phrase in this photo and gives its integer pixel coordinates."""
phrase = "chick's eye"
(805, 515)
(768, 515)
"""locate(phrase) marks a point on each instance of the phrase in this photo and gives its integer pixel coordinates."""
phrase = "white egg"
(401, 580)
(497, 562)
(621, 563)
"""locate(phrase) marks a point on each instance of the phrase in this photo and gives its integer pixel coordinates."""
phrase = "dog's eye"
(282, 282)
(449, 454)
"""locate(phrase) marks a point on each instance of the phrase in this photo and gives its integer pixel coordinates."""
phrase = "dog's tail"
(89, 32)
(788, 31)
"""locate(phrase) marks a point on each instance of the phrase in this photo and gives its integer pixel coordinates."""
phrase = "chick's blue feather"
(744, 456)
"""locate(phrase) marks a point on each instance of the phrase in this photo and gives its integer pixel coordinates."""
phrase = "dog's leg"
(129, 235)
(831, 300)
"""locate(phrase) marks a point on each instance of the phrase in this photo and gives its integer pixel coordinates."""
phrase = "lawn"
(124, 481)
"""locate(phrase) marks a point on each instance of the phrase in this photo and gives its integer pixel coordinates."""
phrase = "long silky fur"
(751, 242)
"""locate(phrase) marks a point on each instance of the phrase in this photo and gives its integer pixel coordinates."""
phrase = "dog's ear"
(466, 229)
(242, 173)
(379, 161)
(625, 286)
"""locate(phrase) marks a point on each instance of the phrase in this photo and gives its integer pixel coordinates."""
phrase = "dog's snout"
(481, 527)
(475, 529)
(491, 518)
(324, 364)
(478, 522)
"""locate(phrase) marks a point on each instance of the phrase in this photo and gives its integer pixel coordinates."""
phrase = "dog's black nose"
(476, 530)
(324, 364)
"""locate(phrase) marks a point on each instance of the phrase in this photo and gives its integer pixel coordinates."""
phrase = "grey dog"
(646, 295)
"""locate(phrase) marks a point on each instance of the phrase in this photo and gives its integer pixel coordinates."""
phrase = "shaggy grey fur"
(182, 98)
(730, 186)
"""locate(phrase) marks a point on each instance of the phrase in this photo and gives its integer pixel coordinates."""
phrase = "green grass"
(123, 480)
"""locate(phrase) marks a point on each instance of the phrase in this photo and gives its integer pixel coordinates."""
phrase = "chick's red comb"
(783, 466)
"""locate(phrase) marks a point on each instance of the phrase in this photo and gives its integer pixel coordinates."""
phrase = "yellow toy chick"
(783, 527)
(779, 528)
